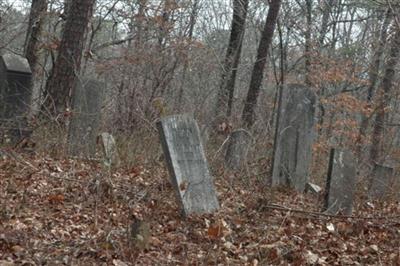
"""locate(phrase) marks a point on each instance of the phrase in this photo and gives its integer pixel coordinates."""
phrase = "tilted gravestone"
(341, 181)
(87, 99)
(15, 94)
(381, 181)
(294, 137)
(237, 149)
(187, 164)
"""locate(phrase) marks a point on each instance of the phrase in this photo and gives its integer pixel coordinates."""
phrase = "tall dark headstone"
(381, 181)
(294, 137)
(15, 81)
(187, 164)
(341, 182)
(84, 125)
(237, 149)
(15, 95)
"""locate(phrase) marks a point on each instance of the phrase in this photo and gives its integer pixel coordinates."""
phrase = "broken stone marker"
(15, 95)
(340, 184)
(313, 188)
(294, 137)
(87, 99)
(381, 182)
(109, 147)
(237, 148)
(187, 164)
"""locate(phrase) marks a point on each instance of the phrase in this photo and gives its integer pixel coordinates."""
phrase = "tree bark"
(326, 11)
(307, 48)
(248, 118)
(32, 45)
(66, 68)
(192, 21)
(384, 99)
(33, 34)
(232, 58)
(374, 76)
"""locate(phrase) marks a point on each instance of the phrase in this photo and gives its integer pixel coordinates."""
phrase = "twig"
(19, 159)
(312, 213)
(221, 147)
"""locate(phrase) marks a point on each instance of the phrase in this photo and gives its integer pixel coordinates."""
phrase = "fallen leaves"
(56, 198)
(52, 217)
(218, 230)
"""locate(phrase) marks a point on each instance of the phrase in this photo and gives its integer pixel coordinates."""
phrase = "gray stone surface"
(15, 96)
(14, 86)
(341, 181)
(109, 147)
(313, 188)
(381, 182)
(295, 134)
(16, 63)
(237, 149)
(85, 120)
(187, 164)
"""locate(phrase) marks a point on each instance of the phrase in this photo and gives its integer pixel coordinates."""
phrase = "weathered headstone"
(15, 80)
(294, 137)
(109, 147)
(15, 95)
(237, 149)
(187, 164)
(381, 181)
(341, 181)
(85, 120)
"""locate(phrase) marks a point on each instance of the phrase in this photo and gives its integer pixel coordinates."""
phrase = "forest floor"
(69, 212)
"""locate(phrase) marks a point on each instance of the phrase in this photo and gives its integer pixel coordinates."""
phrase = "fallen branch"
(313, 213)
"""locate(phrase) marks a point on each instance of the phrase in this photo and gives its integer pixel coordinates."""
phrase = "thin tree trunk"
(192, 22)
(384, 99)
(35, 26)
(248, 117)
(32, 46)
(66, 68)
(327, 8)
(308, 43)
(374, 76)
(227, 86)
(327, 12)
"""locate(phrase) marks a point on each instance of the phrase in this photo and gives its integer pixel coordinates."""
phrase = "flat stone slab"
(16, 63)
(187, 164)
(381, 182)
(341, 181)
(294, 137)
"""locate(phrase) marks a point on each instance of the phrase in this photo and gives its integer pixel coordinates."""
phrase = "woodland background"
(224, 61)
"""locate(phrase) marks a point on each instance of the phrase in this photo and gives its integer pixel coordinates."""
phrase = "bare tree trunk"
(232, 58)
(308, 43)
(326, 13)
(248, 118)
(35, 25)
(325, 20)
(384, 99)
(374, 75)
(32, 46)
(193, 17)
(66, 68)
